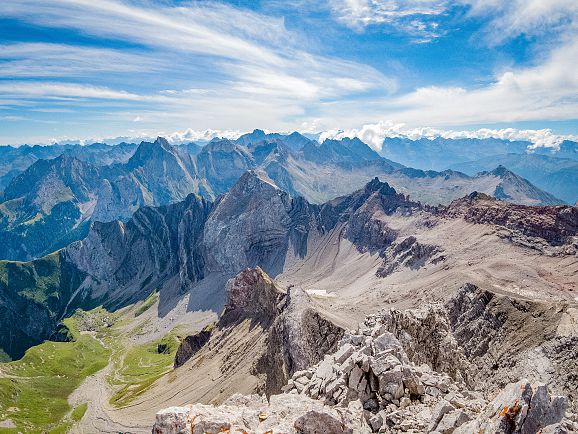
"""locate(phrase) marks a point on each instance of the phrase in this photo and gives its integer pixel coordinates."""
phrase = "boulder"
(314, 422)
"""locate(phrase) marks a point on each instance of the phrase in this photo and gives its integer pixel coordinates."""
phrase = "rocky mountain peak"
(256, 135)
(222, 145)
(376, 186)
(511, 187)
(507, 175)
(252, 181)
(161, 141)
(148, 151)
(67, 169)
(251, 294)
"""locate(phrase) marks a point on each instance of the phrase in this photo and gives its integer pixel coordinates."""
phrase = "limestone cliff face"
(124, 262)
(256, 223)
(297, 337)
(366, 226)
(253, 295)
(489, 340)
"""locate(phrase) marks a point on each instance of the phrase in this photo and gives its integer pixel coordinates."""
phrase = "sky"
(86, 69)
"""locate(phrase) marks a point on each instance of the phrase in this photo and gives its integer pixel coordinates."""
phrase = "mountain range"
(53, 201)
(153, 291)
(174, 248)
(556, 175)
(550, 169)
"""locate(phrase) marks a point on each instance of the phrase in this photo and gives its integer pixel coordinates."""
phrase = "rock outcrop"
(256, 223)
(537, 227)
(370, 385)
(253, 414)
(293, 335)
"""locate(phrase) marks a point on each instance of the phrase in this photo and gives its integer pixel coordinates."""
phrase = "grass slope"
(138, 368)
(34, 390)
(41, 289)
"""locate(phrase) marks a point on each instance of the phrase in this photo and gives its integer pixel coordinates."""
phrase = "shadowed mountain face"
(53, 202)
(177, 247)
(47, 207)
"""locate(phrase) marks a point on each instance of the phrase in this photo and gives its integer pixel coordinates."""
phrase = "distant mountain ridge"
(53, 201)
(14, 160)
(440, 153)
(558, 176)
(550, 169)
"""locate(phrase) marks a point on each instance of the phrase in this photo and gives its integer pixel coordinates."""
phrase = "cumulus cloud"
(374, 134)
(548, 91)
(176, 137)
(190, 135)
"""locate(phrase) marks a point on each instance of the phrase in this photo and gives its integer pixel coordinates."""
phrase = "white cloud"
(26, 89)
(531, 17)
(374, 134)
(244, 48)
(46, 60)
(412, 17)
(190, 135)
(176, 138)
(506, 19)
(548, 91)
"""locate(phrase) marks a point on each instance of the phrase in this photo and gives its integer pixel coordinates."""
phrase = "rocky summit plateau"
(276, 284)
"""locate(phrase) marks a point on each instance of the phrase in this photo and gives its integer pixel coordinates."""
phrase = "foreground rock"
(371, 367)
(488, 340)
(370, 385)
(253, 414)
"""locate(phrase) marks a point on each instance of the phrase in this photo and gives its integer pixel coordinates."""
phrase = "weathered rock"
(286, 413)
(190, 345)
(373, 385)
(452, 420)
(251, 295)
(520, 408)
(314, 422)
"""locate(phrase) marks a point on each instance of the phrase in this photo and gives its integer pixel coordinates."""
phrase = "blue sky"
(106, 68)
